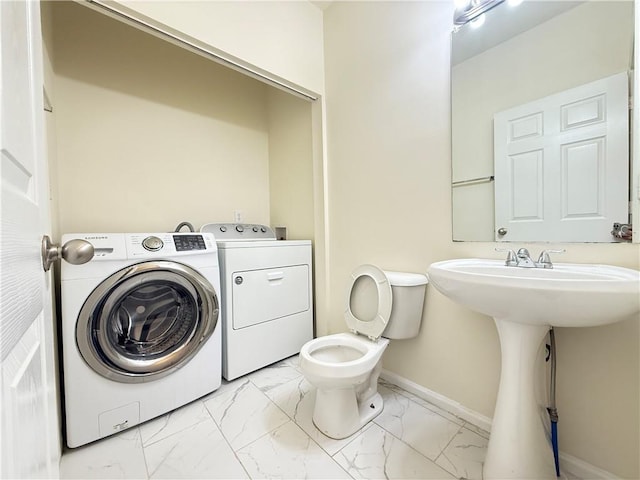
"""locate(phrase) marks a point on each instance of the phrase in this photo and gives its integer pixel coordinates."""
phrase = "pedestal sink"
(525, 303)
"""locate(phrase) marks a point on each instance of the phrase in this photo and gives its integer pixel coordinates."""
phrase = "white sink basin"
(525, 303)
(567, 295)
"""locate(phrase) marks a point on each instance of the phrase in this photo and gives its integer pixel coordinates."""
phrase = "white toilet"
(345, 367)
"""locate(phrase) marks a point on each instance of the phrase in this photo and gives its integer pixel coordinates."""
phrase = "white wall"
(388, 137)
(282, 38)
(559, 54)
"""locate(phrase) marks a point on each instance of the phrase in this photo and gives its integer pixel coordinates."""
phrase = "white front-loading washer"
(140, 329)
(267, 296)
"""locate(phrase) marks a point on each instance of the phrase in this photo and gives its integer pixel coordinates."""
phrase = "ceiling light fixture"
(468, 10)
(478, 21)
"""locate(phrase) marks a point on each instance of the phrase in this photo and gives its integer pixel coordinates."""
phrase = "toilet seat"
(372, 329)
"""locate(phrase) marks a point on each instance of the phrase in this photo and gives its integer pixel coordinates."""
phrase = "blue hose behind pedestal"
(554, 444)
(553, 413)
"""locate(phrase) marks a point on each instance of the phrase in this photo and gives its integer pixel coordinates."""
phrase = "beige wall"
(49, 87)
(149, 135)
(291, 164)
(388, 137)
(561, 53)
(281, 38)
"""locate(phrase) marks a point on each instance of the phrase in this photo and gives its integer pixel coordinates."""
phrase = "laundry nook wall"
(149, 134)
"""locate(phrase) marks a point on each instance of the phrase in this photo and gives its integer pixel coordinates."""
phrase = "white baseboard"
(583, 470)
(569, 464)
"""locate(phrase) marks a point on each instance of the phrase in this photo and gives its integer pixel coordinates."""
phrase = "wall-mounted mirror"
(540, 122)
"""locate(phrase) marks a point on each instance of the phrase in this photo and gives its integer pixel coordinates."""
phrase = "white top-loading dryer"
(267, 296)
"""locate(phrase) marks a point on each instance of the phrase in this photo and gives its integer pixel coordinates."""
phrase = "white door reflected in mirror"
(561, 168)
(519, 56)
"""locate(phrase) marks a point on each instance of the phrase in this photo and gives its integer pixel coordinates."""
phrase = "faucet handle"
(544, 260)
(511, 260)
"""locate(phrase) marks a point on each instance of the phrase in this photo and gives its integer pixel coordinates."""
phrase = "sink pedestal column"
(519, 446)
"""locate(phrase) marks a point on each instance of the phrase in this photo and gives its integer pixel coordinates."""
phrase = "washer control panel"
(185, 243)
(152, 245)
(121, 246)
(239, 231)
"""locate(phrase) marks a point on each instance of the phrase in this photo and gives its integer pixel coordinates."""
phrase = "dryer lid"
(374, 325)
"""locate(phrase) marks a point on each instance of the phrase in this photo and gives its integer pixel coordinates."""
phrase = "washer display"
(140, 330)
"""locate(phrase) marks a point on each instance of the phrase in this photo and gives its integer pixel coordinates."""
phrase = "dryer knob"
(239, 228)
(223, 229)
(255, 229)
(153, 244)
(263, 230)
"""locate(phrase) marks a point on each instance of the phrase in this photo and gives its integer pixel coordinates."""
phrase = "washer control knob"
(153, 244)
(239, 228)
(255, 229)
(223, 228)
(263, 229)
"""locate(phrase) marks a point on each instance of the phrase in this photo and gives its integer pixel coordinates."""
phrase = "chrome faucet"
(523, 259)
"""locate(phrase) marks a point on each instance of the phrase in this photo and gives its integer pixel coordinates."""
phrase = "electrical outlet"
(237, 216)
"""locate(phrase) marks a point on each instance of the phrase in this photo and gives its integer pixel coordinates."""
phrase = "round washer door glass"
(146, 320)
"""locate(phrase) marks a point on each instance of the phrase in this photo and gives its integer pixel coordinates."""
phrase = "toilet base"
(337, 413)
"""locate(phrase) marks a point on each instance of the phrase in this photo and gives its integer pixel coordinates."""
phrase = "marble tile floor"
(259, 426)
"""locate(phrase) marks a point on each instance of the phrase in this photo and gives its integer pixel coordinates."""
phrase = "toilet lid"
(373, 327)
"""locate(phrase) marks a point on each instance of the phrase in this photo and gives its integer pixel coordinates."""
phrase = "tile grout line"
(445, 447)
(235, 452)
(414, 449)
(144, 455)
(296, 423)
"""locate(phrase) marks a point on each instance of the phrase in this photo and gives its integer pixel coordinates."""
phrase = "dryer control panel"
(227, 232)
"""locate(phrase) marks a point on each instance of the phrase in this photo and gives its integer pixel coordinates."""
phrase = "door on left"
(30, 439)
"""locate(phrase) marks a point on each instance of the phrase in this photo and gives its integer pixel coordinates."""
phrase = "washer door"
(146, 321)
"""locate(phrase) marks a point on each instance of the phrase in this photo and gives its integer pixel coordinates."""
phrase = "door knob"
(75, 251)
(502, 231)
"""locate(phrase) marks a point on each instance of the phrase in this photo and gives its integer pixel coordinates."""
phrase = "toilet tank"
(408, 291)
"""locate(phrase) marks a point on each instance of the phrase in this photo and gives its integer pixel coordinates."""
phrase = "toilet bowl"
(345, 367)
(341, 367)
